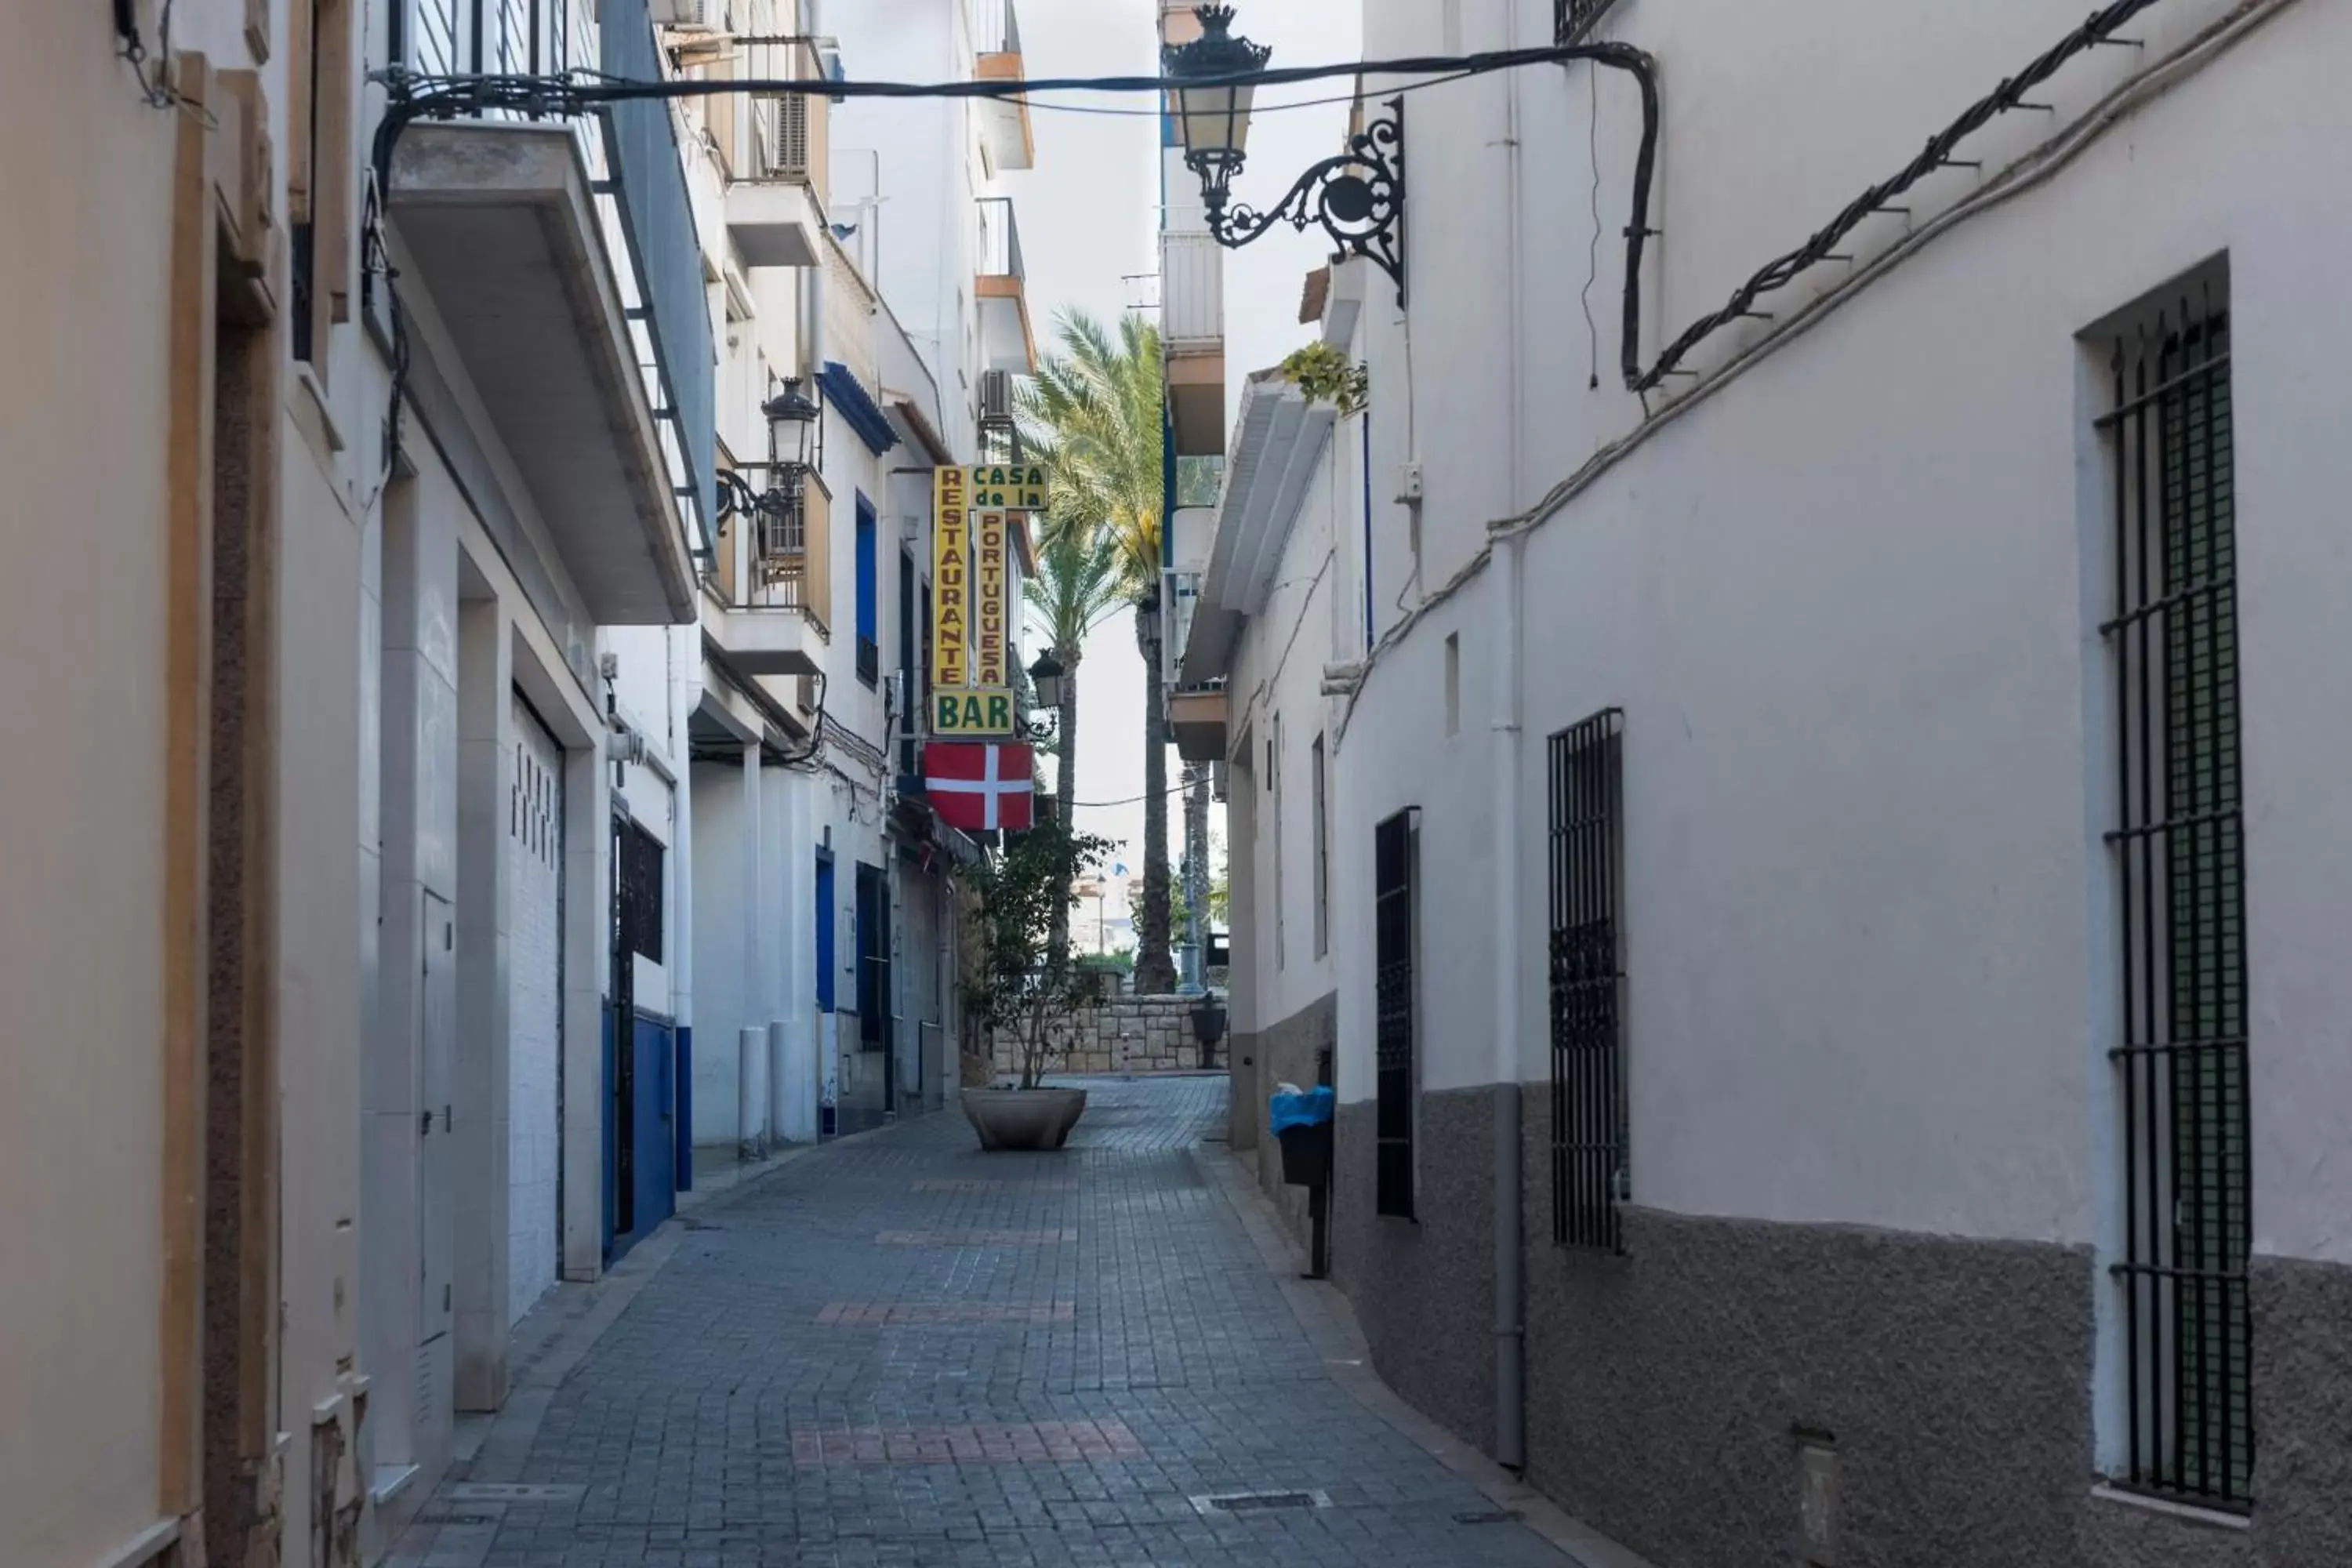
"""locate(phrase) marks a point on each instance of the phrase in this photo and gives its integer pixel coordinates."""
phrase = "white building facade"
(862, 266)
(1828, 854)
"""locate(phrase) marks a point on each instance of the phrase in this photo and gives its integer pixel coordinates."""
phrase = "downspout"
(1510, 1341)
(685, 696)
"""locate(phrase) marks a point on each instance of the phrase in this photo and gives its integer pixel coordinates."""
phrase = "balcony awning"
(500, 228)
(847, 397)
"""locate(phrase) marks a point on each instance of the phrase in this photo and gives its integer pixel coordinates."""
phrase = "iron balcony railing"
(995, 27)
(999, 239)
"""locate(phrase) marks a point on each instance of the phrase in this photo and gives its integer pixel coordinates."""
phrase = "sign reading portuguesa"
(975, 595)
(1008, 486)
(992, 608)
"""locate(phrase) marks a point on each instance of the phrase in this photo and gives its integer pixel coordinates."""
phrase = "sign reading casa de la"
(975, 594)
(1008, 486)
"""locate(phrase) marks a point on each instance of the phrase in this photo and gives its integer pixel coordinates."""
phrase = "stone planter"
(1017, 1119)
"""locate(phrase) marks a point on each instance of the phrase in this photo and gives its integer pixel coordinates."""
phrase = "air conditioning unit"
(697, 16)
(996, 394)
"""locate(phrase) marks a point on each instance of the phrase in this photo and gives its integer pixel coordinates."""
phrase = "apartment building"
(867, 283)
(407, 428)
(1826, 858)
(177, 1342)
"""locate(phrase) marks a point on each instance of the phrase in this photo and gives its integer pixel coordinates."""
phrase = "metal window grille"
(640, 892)
(1572, 20)
(1588, 1111)
(1394, 919)
(2178, 849)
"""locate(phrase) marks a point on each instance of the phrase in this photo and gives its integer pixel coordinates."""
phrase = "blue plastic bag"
(1302, 1108)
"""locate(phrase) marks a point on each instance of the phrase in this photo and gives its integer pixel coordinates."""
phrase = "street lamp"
(791, 417)
(1045, 681)
(1357, 196)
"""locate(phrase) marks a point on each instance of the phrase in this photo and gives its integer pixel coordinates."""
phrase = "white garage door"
(535, 1009)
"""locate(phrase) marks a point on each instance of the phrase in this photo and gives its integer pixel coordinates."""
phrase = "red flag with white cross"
(978, 786)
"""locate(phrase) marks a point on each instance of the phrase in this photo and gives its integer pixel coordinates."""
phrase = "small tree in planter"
(1023, 987)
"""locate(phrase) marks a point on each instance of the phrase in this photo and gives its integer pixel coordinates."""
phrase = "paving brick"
(1077, 1346)
(974, 1237)
(907, 1313)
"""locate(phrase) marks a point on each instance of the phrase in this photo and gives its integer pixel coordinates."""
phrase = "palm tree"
(1079, 580)
(1094, 413)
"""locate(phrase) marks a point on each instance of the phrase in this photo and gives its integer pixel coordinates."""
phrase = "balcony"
(1193, 293)
(560, 260)
(1003, 121)
(769, 607)
(1002, 289)
(1193, 321)
(776, 148)
(1196, 720)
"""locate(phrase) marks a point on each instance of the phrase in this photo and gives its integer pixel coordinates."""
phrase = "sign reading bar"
(971, 711)
(951, 580)
(1008, 486)
(992, 605)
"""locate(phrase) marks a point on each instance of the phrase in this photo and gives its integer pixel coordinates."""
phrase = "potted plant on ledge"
(1026, 985)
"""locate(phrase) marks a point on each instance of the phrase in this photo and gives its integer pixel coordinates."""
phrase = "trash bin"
(1300, 1120)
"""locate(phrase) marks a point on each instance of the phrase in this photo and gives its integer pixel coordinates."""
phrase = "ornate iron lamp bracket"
(1356, 197)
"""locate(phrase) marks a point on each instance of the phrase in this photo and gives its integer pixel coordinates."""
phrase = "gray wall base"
(1667, 1388)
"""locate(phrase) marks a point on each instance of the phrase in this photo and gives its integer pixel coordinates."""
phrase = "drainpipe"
(684, 695)
(1510, 1342)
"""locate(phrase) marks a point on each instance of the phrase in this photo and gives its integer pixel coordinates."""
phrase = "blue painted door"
(824, 929)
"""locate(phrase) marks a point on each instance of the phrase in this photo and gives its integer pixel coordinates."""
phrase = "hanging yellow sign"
(1008, 486)
(950, 579)
(992, 606)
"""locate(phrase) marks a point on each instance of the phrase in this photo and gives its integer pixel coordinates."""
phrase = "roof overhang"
(1276, 443)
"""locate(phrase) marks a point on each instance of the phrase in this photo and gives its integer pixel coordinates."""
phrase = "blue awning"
(857, 406)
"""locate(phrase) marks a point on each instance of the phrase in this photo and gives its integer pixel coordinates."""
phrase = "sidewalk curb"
(1324, 1315)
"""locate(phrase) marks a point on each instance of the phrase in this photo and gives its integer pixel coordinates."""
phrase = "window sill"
(2192, 1513)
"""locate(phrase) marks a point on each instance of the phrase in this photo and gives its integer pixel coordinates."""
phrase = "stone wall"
(1128, 1034)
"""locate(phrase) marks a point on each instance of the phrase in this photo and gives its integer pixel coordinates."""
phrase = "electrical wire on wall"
(1592, 250)
(154, 85)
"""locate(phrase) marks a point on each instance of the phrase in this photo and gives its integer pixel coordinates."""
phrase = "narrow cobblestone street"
(898, 1351)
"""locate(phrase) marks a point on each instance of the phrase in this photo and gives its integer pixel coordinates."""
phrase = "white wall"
(1846, 606)
(929, 174)
(1275, 687)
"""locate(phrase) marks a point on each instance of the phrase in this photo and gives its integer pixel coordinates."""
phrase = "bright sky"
(1090, 220)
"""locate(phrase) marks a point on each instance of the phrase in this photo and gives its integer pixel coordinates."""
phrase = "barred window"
(1395, 922)
(2178, 847)
(1588, 1109)
(640, 913)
